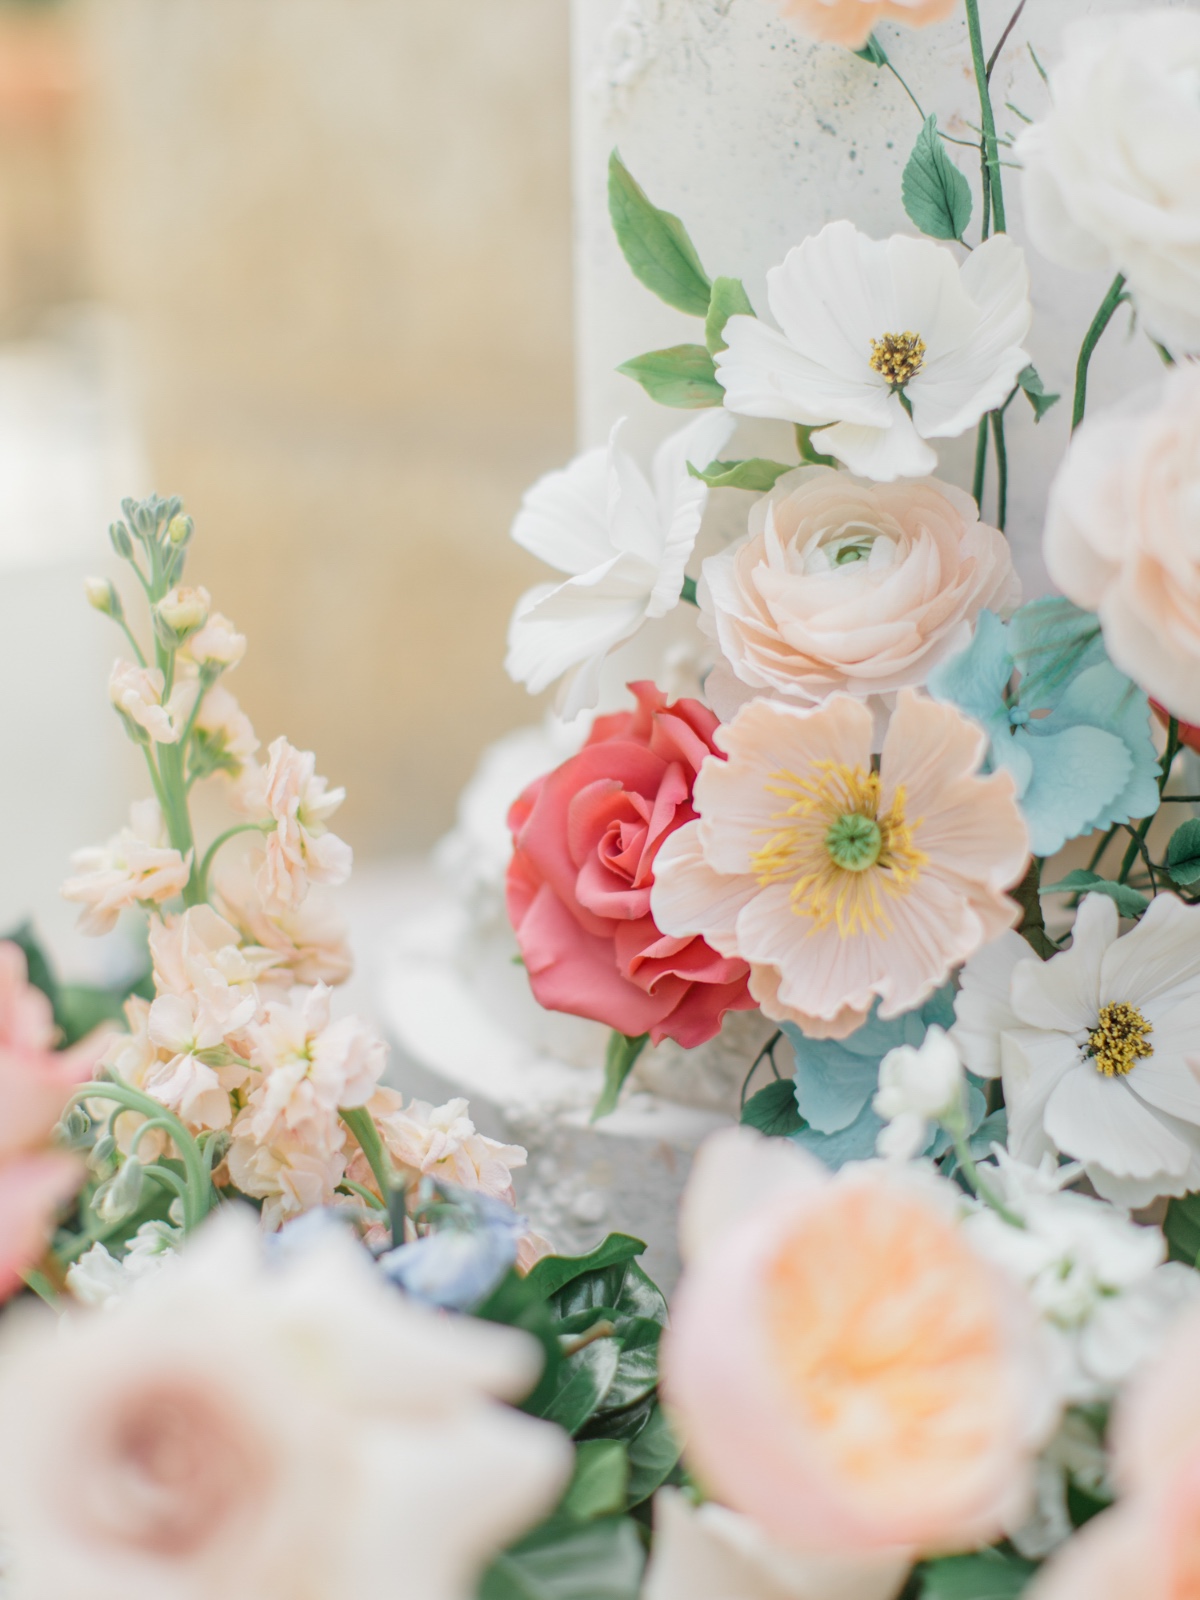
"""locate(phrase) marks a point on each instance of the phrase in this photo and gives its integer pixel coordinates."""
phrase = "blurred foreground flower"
(850, 22)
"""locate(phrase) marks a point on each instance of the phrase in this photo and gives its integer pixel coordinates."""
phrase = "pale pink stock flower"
(225, 723)
(845, 584)
(310, 1064)
(137, 693)
(198, 953)
(216, 644)
(185, 607)
(300, 850)
(180, 1029)
(840, 885)
(441, 1142)
(293, 1171)
(309, 941)
(850, 22)
(257, 1429)
(842, 1366)
(138, 865)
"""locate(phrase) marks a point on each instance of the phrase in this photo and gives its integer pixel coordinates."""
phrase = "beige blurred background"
(317, 253)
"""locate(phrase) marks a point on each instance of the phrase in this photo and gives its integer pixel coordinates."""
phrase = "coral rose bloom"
(841, 1365)
(850, 22)
(1123, 539)
(836, 883)
(586, 837)
(845, 584)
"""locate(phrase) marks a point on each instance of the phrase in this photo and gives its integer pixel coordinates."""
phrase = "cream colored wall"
(339, 232)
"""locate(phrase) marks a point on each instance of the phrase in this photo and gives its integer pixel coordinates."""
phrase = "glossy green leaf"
(1182, 1228)
(757, 474)
(936, 195)
(1035, 392)
(1183, 852)
(1129, 902)
(601, 1478)
(565, 1559)
(653, 1455)
(655, 244)
(582, 1381)
(773, 1110)
(553, 1273)
(624, 1290)
(989, 1575)
(729, 299)
(683, 377)
(619, 1060)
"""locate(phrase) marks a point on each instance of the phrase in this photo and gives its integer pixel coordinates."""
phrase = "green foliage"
(655, 244)
(1182, 1228)
(873, 52)
(757, 474)
(773, 1110)
(682, 376)
(1034, 390)
(565, 1559)
(77, 1007)
(936, 195)
(619, 1060)
(729, 299)
(988, 1575)
(1129, 902)
(1183, 852)
(808, 451)
(600, 1480)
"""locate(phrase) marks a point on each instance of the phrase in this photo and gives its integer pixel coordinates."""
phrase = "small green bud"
(121, 542)
(120, 1196)
(103, 597)
(180, 529)
(102, 1153)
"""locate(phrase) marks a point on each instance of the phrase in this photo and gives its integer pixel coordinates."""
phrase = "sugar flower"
(1110, 179)
(300, 849)
(622, 539)
(1072, 730)
(137, 693)
(1122, 537)
(246, 1429)
(884, 345)
(462, 1259)
(708, 1552)
(839, 884)
(310, 1064)
(918, 1085)
(586, 838)
(441, 1142)
(308, 942)
(850, 22)
(101, 1279)
(906, 1416)
(137, 865)
(1097, 1047)
(845, 584)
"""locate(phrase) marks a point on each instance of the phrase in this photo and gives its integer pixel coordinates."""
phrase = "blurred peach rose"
(843, 1367)
(845, 584)
(850, 22)
(1123, 538)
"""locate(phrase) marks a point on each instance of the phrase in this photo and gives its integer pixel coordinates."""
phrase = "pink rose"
(579, 882)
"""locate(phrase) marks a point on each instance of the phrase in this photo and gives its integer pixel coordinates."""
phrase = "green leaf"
(729, 299)
(808, 452)
(873, 52)
(569, 1560)
(936, 195)
(553, 1273)
(582, 1381)
(41, 974)
(757, 474)
(1182, 1228)
(618, 1064)
(773, 1110)
(653, 1456)
(601, 1478)
(989, 1575)
(1183, 852)
(1129, 902)
(655, 244)
(683, 377)
(1035, 392)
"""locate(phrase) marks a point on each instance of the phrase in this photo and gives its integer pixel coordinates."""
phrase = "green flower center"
(854, 842)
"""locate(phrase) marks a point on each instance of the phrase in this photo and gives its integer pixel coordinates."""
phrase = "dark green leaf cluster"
(77, 1007)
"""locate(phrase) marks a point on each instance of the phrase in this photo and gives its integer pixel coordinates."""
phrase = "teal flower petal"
(1077, 773)
(976, 679)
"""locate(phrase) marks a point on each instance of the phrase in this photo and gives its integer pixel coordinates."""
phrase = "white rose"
(1112, 178)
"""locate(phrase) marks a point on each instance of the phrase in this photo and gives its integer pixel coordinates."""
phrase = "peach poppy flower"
(850, 22)
(841, 1364)
(839, 884)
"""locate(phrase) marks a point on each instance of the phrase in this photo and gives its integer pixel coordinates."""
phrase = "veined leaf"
(569, 1560)
(682, 376)
(1129, 902)
(1035, 392)
(601, 1478)
(773, 1110)
(1183, 852)
(655, 244)
(758, 474)
(1182, 1229)
(729, 299)
(936, 195)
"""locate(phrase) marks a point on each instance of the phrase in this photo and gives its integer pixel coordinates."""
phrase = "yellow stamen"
(898, 357)
(809, 851)
(1119, 1040)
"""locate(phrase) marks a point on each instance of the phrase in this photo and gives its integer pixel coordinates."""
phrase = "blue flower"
(836, 1081)
(458, 1265)
(1074, 732)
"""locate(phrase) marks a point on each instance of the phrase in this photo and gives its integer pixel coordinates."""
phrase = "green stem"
(979, 1185)
(1091, 339)
(197, 1200)
(133, 644)
(200, 877)
(362, 1125)
(688, 592)
(1001, 469)
(981, 443)
(363, 1194)
(1138, 834)
(41, 1286)
(990, 151)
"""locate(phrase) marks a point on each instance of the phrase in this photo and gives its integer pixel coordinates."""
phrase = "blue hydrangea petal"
(975, 680)
(1105, 697)
(1051, 641)
(1076, 772)
(854, 1143)
(1010, 753)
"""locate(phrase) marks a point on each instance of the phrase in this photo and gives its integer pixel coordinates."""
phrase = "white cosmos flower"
(889, 342)
(624, 541)
(1099, 1047)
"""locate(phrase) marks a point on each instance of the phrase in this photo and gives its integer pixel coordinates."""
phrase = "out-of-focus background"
(304, 263)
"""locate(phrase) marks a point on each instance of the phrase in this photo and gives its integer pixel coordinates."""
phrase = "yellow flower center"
(840, 857)
(898, 357)
(1119, 1040)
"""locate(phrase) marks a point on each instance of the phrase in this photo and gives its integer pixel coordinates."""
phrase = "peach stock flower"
(841, 1364)
(836, 883)
(441, 1142)
(309, 941)
(216, 644)
(850, 22)
(300, 849)
(137, 693)
(845, 584)
(137, 865)
(1123, 538)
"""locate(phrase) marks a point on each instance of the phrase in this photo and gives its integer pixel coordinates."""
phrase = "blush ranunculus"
(845, 584)
(585, 839)
(850, 22)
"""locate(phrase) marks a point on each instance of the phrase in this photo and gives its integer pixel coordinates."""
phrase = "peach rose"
(850, 22)
(841, 1364)
(1123, 538)
(845, 584)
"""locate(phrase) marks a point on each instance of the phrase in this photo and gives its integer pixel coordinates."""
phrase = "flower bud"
(180, 529)
(121, 542)
(184, 609)
(120, 1196)
(102, 597)
(925, 1082)
(103, 1151)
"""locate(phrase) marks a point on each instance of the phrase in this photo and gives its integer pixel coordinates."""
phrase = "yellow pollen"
(800, 854)
(1119, 1040)
(898, 357)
